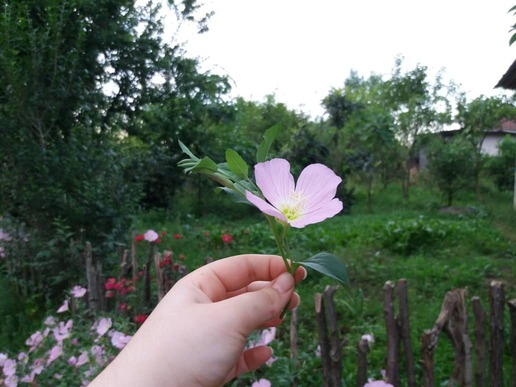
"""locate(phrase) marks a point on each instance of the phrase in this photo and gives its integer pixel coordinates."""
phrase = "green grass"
(411, 239)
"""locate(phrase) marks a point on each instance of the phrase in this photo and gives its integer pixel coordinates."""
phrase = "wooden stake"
(480, 348)
(496, 299)
(363, 349)
(334, 336)
(405, 331)
(392, 329)
(293, 346)
(512, 345)
(320, 318)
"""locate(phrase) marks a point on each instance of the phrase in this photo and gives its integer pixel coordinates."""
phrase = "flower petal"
(274, 179)
(318, 215)
(263, 206)
(318, 183)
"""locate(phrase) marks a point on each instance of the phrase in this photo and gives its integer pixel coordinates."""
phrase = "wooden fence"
(478, 363)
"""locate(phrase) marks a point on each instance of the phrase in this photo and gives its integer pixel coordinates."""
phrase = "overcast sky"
(299, 49)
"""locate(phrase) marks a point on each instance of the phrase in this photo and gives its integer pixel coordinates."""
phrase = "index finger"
(221, 277)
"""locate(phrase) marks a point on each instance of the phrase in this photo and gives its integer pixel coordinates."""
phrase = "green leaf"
(327, 264)
(513, 39)
(268, 137)
(185, 149)
(236, 163)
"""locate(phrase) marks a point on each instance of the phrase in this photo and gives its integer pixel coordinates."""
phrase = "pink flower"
(98, 351)
(78, 291)
(177, 236)
(50, 321)
(34, 340)
(62, 331)
(9, 367)
(103, 326)
(54, 353)
(266, 337)
(3, 358)
(226, 238)
(11, 381)
(150, 236)
(83, 359)
(261, 383)
(120, 340)
(311, 200)
(63, 308)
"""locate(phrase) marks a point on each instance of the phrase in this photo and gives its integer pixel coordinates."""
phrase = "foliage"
(66, 351)
(513, 27)
(501, 167)
(452, 165)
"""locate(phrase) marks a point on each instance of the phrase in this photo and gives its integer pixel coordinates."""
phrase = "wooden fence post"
(391, 325)
(160, 278)
(405, 331)
(496, 299)
(453, 320)
(512, 313)
(363, 349)
(334, 339)
(293, 345)
(480, 348)
(324, 345)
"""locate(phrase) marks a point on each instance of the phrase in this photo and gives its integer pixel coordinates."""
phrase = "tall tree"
(417, 106)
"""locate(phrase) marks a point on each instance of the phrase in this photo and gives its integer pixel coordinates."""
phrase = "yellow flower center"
(293, 207)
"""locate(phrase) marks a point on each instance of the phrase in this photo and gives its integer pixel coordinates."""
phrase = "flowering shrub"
(67, 350)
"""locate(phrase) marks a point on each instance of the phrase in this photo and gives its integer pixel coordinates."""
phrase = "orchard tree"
(417, 106)
(367, 144)
(451, 165)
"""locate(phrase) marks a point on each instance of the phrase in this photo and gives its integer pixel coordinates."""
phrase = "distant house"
(489, 144)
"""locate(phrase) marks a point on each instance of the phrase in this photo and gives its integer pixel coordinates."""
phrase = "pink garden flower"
(226, 238)
(34, 341)
(103, 326)
(54, 353)
(9, 367)
(377, 383)
(151, 236)
(261, 383)
(311, 200)
(63, 330)
(63, 308)
(78, 291)
(119, 339)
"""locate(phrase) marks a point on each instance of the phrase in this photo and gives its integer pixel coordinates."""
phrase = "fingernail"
(305, 273)
(283, 283)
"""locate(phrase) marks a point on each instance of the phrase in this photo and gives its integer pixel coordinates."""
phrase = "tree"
(451, 165)
(367, 144)
(479, 117)
(76, 77)
(417, 107)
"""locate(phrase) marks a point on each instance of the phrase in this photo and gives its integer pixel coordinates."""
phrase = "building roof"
(508, 81)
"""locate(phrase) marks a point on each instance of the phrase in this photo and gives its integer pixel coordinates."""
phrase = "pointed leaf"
(513, 39)
(236, 163)
(327, 264)
(268, 137)
(185, 149)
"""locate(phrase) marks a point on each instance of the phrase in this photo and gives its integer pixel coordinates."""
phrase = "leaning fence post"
(496, 298)
(512, 312)
(480, 348)
(405, 331)
(391, 326)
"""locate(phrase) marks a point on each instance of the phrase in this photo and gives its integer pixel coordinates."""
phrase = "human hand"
(196, 336)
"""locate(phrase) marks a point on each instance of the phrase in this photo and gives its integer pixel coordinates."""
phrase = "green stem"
(284, 250)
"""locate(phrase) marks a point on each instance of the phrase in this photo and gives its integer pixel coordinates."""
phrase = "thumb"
(253, 309)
